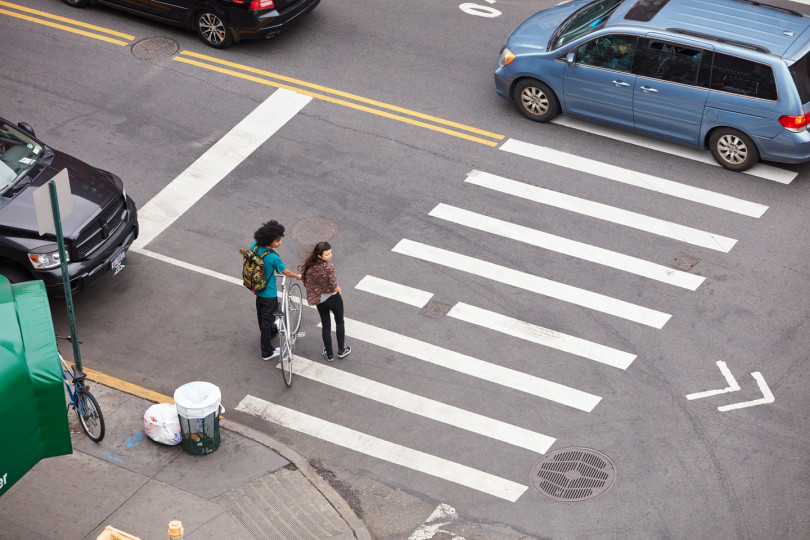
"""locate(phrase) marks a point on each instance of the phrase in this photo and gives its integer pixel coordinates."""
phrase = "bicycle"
(288, 321)
(81, 400)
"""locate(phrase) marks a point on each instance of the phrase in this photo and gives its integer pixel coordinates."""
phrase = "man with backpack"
(267, 238)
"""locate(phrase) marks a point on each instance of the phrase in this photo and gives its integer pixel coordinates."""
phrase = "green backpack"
(253, 272)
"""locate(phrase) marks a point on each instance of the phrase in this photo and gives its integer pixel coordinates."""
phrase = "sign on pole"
(42, 201)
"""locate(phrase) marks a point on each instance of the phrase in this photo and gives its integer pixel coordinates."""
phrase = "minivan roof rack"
(771, 6)
(728, 41)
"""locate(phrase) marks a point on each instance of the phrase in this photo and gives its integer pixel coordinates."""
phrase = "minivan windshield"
(584, 21)
(18, 152)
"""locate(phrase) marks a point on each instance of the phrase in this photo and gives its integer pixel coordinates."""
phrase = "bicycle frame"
(67, 371)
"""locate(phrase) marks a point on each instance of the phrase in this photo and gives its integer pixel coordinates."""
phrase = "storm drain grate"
(434, 309)
(684, 262)
(310, 231)
(573, 474)
(155, 48)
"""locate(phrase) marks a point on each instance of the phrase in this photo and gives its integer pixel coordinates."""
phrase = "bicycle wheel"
(90, 416)
(295, 304)
(286, 357)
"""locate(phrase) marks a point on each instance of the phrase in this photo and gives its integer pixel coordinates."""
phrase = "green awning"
(32, 394)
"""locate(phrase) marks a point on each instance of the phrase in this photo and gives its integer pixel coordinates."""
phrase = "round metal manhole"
(155, 48)
(310, 231)
(573, 474)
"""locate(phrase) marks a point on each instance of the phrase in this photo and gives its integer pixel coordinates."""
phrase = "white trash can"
(198, 408)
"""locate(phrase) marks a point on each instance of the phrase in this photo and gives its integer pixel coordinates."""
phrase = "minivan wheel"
(213, 30)
(14, 273)
(536, 100)
(733, 149)
(77, 3)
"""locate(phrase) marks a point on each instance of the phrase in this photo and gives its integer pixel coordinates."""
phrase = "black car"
(97, 233)
(218, 22)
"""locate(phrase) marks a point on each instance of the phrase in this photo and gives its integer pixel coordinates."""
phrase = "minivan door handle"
(620, 83)
(648, 90)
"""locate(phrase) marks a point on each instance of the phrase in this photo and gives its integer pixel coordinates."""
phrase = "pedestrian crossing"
(378, 339)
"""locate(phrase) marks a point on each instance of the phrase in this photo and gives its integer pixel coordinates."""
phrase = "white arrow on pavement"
(767, 395)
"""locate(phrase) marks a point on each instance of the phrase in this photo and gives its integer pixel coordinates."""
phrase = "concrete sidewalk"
(252, 487)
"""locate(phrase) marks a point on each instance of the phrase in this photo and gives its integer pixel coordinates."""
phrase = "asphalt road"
(682, 468)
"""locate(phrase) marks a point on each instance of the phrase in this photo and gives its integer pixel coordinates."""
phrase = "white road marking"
(767, 395)
(730, 380)
(216, 163)
(601, 211)
(633, 178)
(422, 406)
(473, 367)
(394, 291)
(530, 282)
(444, 514)
(187, 266)
(568, 247)
(382, 449)
(542, 336)
(767, 172)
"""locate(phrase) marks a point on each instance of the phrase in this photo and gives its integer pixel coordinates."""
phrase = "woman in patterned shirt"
(323, 291)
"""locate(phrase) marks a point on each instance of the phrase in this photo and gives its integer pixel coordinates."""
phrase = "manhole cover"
(434, 309)
(310, 231)
(155, 48)
(573, 474)
(684, 262)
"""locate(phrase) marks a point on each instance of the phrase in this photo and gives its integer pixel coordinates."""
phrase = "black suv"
(103, 224)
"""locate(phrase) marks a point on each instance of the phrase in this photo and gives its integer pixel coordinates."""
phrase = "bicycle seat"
(78, 375)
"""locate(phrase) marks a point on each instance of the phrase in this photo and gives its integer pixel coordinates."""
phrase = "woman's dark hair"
(267, 233)
(313, 259)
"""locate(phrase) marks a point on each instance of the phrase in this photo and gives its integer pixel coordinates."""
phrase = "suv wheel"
(733, 149)
(212, 29)
(536, 100)
(14, 273)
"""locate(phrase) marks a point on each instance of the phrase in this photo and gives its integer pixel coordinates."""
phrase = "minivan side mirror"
(569, 58)
(26, 127)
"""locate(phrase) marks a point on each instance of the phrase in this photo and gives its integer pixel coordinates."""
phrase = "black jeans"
(334, 304)
(266, 309)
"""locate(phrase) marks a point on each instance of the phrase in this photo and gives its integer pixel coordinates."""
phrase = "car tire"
(733, 149)
(536, 100)
(14, 273)
(77, 3)
(213, 30)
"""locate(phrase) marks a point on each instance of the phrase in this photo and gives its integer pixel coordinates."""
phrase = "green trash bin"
(198, 408)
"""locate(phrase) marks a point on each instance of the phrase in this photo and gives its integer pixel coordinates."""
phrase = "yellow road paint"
(125, 386)
(346, 95)
(65, 19)
(337, 101)
(63, 27)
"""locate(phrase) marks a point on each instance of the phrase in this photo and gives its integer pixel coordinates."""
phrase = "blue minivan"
(730, 75)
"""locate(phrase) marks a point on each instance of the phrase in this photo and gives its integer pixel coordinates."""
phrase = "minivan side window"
(672, 62)
(742, 76)
(609, 52)
(800, 71)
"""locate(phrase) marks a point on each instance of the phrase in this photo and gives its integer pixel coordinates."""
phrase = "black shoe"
(344, 352)
(328, 357)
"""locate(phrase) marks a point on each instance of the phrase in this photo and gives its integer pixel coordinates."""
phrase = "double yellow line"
(71, 29)
(357, 102)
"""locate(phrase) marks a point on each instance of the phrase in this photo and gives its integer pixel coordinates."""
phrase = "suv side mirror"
(26, 127)
(569, 58)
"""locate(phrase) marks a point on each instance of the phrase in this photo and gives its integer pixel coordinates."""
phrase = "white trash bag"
(161, 424)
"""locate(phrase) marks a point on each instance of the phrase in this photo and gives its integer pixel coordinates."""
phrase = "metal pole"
(60, 241)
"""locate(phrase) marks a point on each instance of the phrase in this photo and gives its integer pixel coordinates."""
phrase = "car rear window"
(800, 71)
(742, 76)
(645, 10)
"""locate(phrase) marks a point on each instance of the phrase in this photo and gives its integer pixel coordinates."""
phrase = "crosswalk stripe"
(471, 366)
(566, 246)
(422, 406)
(542, 336)
(634, 178)
(768, 172)
(530, 282)
(394, 291)
(382, 449)
(601, 211)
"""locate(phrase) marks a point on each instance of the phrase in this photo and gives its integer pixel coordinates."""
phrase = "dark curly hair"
(267, 233)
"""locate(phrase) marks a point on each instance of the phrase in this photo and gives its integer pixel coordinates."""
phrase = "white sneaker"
(276, 353)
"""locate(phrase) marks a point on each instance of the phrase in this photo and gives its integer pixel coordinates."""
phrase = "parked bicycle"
(289, 322)
(81, 400)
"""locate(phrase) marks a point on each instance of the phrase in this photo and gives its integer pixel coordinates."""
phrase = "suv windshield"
(584, 21)
(18, 152)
